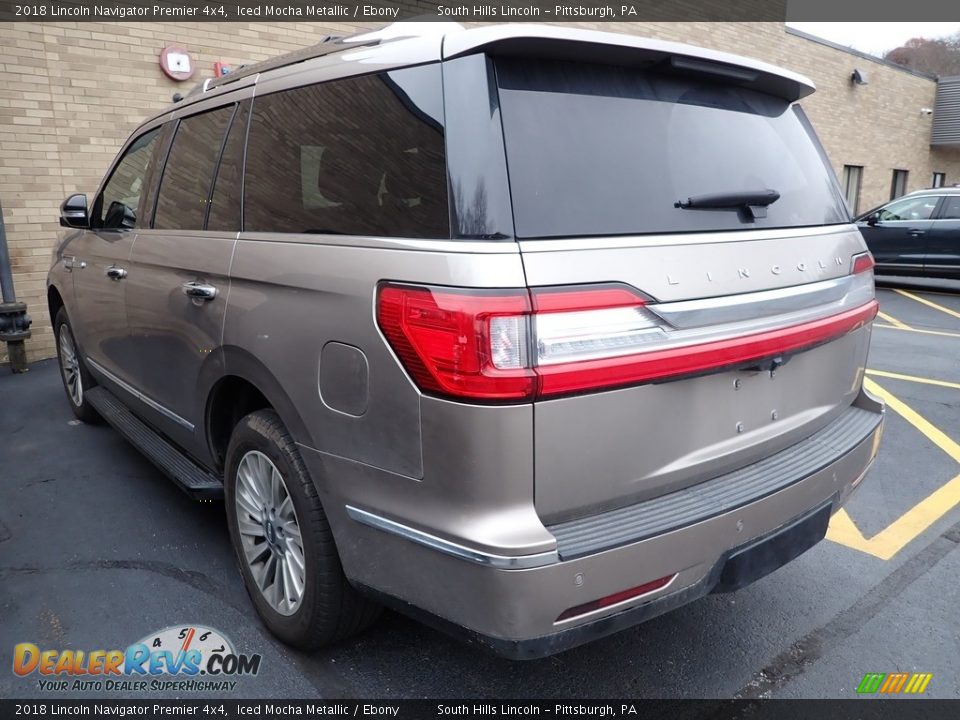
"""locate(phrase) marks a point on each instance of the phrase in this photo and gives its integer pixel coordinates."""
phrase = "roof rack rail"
(329, 44)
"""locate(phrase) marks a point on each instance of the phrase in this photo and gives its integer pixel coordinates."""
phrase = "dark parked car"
(917, 234)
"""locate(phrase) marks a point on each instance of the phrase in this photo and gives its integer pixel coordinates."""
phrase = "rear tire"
(283, 542)
(76, 378)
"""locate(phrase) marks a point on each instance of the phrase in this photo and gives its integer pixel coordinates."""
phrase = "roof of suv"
(412, 42)
(951, 190)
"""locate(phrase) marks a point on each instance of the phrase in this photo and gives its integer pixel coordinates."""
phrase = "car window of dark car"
(118, 203)
(918, 208)
(951, 208)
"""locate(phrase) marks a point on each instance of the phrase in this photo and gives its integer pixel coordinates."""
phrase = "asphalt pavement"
(98, 550)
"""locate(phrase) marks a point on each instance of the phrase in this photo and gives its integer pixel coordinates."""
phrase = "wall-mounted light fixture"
(858, 77)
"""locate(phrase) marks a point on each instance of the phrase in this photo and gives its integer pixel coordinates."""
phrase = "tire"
(73, 372)
(329, 608)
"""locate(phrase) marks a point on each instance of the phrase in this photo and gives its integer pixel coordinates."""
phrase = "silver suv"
(532, 332)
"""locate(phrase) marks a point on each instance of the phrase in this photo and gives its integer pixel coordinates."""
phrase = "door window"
(951, 208)
(117, 206)
(918, 208)
(187, 177)
(228, 187)
(360, 156)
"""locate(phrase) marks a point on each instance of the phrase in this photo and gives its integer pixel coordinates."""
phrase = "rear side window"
(361, 156)
(951, 208)
(605, 150)
(185, 187)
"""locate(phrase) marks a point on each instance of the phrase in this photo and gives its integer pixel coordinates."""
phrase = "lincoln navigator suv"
(531, 332)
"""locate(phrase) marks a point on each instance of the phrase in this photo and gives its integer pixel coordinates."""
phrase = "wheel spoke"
(251, 528)
(269, 532)
(255, 552)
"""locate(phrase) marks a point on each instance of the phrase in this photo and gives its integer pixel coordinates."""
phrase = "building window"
(899, 185)
(852, 179)
(939, 180)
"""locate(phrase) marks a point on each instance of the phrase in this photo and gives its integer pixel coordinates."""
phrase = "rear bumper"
(511, 605)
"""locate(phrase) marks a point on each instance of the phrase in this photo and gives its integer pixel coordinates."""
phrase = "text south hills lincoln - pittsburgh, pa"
(535, 10)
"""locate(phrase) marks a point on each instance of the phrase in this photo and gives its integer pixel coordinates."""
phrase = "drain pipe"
(14, 321)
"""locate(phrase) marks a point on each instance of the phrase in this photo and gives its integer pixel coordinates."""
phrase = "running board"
(189, 477)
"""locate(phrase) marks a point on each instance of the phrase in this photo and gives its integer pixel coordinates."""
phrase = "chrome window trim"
(503, 562)
(140, 396)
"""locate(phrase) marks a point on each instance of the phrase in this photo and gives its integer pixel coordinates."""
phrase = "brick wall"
(71, 92)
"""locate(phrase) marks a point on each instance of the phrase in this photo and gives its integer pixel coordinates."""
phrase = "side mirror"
(120, 217)
(873, 218)
(73, 212)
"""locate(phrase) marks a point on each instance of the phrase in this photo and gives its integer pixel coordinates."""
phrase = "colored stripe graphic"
(894, 683)
(871, 682)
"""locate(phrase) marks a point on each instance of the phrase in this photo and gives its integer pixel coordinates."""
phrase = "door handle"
(70, 262)
(116, 273)
(916, 233)
(199, 291)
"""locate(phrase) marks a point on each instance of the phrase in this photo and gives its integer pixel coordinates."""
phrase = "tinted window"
(118, 204)
(603, 150)
(228, 187)
(951, 208)
(362, 156)
(918, 208)
(185, 187)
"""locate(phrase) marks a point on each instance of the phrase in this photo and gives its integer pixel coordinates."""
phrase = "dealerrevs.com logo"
(183, 658)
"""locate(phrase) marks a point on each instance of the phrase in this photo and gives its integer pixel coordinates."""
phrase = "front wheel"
(283, 542)
(76, 378)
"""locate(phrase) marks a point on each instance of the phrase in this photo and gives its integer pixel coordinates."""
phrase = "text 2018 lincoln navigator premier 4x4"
(532, 332)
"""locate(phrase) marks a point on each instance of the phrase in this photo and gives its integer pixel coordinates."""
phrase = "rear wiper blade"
(752, 203)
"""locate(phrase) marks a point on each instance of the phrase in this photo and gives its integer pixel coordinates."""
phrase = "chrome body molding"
(139, 395)
(830, 296)
(501, 562)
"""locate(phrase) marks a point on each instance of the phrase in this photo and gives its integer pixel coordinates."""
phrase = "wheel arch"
(244, 386)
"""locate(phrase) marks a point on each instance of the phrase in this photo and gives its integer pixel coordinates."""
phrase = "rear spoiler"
(564, 43)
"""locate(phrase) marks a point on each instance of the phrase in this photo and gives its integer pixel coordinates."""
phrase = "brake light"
(863, 262)
(468, 344)
(519, 345)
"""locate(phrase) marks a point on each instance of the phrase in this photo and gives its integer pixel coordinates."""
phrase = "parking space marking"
(928, 303)
(942, 333)
(893, 321)
(901, 532)
(913, 378)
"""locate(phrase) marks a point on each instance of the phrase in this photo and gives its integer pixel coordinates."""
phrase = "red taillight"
(450, 341)
(863, 262)
(519, 345)
(616, 598)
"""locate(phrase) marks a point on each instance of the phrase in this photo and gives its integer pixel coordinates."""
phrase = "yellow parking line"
(914, 378)
(928, 303)
(942, 333)
(935, 435)
(892, 539)
(893, 321)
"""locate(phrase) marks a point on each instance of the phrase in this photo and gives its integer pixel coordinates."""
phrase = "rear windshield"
(604, 150)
